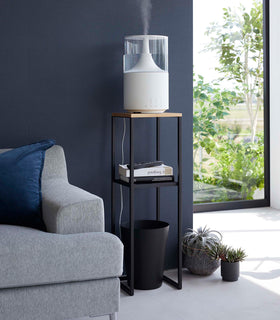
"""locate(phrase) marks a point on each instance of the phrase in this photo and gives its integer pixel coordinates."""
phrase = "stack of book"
(159, 173)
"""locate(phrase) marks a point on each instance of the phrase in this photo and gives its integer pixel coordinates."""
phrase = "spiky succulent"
(226, 253)
(194, 241)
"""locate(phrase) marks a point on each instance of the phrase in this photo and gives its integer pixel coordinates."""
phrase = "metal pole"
(179, 202)
(158, 158)
(131, 206)
(113, 226)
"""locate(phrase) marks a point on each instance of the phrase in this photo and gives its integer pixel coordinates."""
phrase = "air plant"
(200, 240)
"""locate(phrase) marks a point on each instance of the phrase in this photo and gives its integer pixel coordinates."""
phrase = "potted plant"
(195, 246)
(230, 259)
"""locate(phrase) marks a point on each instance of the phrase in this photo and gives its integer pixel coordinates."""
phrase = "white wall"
(275, 103)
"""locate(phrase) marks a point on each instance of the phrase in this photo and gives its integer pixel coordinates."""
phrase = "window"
(230, 119)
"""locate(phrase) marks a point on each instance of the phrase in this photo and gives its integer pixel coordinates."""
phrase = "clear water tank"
(146, 79)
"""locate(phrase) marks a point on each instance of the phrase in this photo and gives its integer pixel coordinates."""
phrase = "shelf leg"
(179, 202)
(158, 158)
(131, 206)
(113, 225)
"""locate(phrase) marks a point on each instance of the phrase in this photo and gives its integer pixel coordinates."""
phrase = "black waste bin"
(150, 238)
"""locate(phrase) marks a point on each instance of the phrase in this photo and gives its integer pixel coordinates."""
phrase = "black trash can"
(150, 238)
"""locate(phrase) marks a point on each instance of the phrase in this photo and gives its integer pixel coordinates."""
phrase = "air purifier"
(146, 78)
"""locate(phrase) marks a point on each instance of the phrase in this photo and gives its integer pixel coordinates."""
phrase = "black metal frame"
(242, 204)
(132, 186)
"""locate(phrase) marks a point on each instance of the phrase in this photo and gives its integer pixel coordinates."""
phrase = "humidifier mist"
(146, 78)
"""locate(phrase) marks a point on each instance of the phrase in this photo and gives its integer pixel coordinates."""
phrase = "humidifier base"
(146, 110)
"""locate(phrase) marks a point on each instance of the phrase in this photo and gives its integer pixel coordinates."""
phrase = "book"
(162, 170)
(148, 179)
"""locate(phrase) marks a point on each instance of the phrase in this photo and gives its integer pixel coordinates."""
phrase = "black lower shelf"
(147, 184)
(166, 279)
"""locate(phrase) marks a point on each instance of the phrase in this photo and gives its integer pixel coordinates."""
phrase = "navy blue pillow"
(20, 185)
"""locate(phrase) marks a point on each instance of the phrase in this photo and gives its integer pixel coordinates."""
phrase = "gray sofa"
(70, 271)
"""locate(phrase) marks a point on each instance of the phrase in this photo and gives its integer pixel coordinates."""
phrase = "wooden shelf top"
(146, 115)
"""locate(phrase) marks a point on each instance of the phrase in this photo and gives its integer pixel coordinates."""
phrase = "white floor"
(255, 296)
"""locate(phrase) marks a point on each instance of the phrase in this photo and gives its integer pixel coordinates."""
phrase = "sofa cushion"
(20, 184)
(31, 257)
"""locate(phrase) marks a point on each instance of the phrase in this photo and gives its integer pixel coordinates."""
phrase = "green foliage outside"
(222, 156)
(239, 45)
(241, 166)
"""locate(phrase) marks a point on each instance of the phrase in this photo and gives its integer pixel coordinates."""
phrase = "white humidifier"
(146, 78)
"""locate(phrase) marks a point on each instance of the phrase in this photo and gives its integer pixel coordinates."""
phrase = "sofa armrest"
(68, 209)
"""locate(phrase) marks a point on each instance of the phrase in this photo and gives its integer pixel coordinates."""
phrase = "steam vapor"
(146, 9)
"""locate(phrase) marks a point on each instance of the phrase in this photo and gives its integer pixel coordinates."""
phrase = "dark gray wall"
(61, 78)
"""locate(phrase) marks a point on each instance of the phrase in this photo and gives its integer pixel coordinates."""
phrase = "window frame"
(242, 204)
